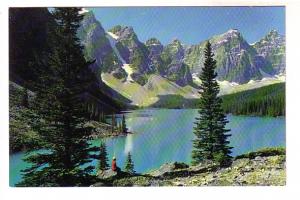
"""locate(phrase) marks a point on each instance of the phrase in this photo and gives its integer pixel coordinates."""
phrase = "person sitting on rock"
(114, 164)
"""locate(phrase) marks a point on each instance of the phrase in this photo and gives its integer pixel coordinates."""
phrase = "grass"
(149, 94)
(270, 151)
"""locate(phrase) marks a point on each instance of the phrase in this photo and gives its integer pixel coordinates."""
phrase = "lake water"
(165, 135)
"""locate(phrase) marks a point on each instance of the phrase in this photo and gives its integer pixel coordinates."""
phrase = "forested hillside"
(264, 101)
(268, 100)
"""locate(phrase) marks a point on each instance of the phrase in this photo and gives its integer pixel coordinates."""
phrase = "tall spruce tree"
(103, 160)
(123, 125)
(211, 139)
(25, 101)
(129, 166)
(64, 76)
(114, 124)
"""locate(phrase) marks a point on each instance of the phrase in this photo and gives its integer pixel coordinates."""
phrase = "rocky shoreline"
(261, 168)
(102, 130)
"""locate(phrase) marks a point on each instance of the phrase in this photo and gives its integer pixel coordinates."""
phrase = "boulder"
(107, 174)
(168, 168)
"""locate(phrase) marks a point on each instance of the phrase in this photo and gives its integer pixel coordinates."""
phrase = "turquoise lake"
(165, 135)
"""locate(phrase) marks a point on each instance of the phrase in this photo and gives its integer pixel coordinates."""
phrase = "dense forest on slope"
(27, 31)
(264, 101)
(31, 35)
(267, 101)
(21, 117)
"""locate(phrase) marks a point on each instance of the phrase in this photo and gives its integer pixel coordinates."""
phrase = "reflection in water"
(165, 135)
(128, 144)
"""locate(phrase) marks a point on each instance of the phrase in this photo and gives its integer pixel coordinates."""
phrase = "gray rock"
(107, 174)
(168, 168)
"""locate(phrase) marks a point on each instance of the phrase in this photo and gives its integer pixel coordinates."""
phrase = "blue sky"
(192, 25)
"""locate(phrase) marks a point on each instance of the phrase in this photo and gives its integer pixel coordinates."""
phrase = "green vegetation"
(115, 29)
(211, 142)
(62, 114)
(21, 118)
(123, 125)
(103, 160)
(270, 151)
(114, 123)
(138, 58)
(27, 44)
(267, 168)
(152, 41)
(267, 101)
(276, 54)
(102, 117)
(92, 47)
(129, 166)
(264, 101)
(174, 102)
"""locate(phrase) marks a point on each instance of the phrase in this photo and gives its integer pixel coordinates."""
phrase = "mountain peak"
(123, 31)
(233, 30)
(83, 11)
(176, 42)
(232, 33)
(119, 28)
(273, 34)
(153, 41)
(272, 37)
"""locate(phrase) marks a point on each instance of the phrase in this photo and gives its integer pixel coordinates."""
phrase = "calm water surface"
(165, 135)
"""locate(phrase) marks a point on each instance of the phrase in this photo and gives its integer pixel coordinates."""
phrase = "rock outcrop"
(272, 48)
(265, 167)
(97, 46)
(174, 68)
(131, 49)
(237, 60)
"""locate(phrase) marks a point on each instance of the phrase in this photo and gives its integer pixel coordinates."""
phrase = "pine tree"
(211, 138)
(102, 117)
(129, 166)
(103, 165)
(124, 128)
(65, 75)
(113, 123)
(120, 127)
(25, 102)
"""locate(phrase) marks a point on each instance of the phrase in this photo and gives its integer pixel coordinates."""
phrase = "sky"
(191, 25)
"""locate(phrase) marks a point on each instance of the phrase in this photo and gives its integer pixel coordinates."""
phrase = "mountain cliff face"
(121, 53)
(155, 49)
(272, 48)
(237, 61)
(97, 46)
(131, 49)
(173, 66)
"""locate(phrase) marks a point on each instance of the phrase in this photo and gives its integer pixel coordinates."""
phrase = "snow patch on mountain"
(128, 69)
(113, 42)
(114, 36)
(83, 10)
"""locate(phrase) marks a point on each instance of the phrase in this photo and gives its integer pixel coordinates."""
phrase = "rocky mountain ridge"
(237, 60)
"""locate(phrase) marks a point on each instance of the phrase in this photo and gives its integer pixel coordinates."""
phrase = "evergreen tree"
(103, 165)
(113, 122)
(120, 127)
(25, 102)
(129, 166)
(211, 138)
(102, 117)
(64, 76)
(124, 128)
